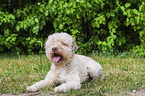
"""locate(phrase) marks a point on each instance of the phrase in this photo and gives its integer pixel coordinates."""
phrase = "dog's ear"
(75, 47)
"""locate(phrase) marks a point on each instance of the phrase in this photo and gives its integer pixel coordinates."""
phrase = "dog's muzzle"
(55, 49)
(56, 55)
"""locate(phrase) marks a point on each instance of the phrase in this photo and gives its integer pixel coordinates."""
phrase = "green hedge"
(95, 25)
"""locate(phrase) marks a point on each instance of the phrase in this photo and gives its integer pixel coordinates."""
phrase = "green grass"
(122, 74)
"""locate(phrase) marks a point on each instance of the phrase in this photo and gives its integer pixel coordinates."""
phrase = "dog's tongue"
(56, 59)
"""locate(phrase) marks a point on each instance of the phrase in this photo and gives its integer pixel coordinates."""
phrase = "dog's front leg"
(71, 83)
(49, 80)
(37, 85)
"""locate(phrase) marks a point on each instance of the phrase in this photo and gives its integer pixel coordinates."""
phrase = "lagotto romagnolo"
(67, 68)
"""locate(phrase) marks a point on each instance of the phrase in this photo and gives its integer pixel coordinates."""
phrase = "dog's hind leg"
(95, 70)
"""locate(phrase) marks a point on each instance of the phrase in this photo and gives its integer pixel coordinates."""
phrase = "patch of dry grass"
(122, 75)
(18, 72)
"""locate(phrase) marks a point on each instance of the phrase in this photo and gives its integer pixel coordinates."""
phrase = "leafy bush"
(95, 25)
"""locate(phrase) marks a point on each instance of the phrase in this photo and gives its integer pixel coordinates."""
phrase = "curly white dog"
(67, 68)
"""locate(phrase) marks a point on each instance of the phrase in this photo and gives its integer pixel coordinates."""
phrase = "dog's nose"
(54, 49)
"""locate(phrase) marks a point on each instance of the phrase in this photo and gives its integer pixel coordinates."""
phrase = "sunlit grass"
(18, 72)
(122, 74)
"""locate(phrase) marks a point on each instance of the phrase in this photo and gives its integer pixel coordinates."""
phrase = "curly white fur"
(67, 68)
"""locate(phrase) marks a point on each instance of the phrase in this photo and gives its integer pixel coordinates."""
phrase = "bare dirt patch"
(36, 94)
(140, 92)
(129, 93)
(137, 92)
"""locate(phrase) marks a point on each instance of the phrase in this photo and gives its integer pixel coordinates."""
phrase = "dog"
(67, 69)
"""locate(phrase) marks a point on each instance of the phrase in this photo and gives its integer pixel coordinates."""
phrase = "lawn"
(123, 73)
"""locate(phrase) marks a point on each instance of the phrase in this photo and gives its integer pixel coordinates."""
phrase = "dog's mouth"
(57, 57)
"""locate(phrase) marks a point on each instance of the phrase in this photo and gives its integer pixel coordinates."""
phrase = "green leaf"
(122, 8)
(104, 43)
(36, 20)
(13, 39)
(36, 29)
(32, 41)
(127, 5)
(41, 9)
(78, 16)
(135, 11)
(137, 19)
(50, 1)
(72, 10)
(55, 23)
(7, 39)
(68, 21)
(17, 28)
(32, 22)
(24, 26)
(127, 21)
(11, 16)
(14, 35)
(6, 31)
(124, 13)
(97, 25)
(67, 11)
(28, 38)
(60, 26)
(18, 14)
(8, 45)
(129, 13)
(81, 1)
(140, 8)
(97, 1)
(46, 13)
(39, 3)
(132, 21)
(99, 42)
(108, 15)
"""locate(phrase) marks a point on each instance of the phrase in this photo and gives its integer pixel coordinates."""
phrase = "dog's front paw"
(61, 88)
(31, 88)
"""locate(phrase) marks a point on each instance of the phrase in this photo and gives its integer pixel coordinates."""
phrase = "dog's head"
(60, 48)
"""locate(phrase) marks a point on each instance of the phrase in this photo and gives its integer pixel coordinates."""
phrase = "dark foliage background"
(95, 25)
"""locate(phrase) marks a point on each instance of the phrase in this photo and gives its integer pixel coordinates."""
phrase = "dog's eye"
(64, 44)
